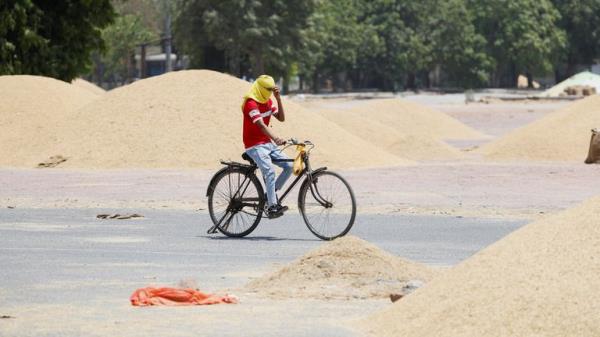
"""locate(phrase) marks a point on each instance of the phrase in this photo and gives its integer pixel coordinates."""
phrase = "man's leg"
(287, 167)
(260, 155)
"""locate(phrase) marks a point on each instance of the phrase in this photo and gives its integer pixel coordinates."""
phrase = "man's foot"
(282, 208)
(275, 211)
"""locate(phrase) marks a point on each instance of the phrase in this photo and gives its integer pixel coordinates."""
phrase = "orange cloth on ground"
(175, 297)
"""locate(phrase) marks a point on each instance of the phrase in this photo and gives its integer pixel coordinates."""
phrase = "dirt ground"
(469, 188)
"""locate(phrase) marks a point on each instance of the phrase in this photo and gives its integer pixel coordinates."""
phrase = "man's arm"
(261, 125)
(280, 115)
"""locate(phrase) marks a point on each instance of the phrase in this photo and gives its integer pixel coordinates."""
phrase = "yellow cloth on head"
(259, 91)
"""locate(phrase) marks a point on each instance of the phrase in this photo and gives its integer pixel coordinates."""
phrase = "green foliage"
(20, 42)
(458, 48)
(391, 43)
(267, 32)
(405, 44)
(522, 34)
(121, 38)
(151, 12)
(581, 21)
(385, 43)
(333, 39)
(394, 40)
(51, 38)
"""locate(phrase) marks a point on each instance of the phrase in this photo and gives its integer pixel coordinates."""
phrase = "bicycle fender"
(324, 168)
(214, 178)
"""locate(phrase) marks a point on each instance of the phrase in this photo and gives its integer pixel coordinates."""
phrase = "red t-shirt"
(253, 111)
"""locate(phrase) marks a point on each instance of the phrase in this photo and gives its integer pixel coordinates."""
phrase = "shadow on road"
(255, 238)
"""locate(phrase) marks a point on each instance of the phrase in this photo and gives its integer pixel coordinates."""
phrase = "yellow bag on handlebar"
(299, 161)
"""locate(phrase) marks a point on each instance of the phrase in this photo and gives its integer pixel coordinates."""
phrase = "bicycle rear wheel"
(236, 202)
(327, 205)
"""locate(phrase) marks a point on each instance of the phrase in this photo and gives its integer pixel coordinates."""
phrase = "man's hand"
(279, 141)
(276, 92)
(280, 114)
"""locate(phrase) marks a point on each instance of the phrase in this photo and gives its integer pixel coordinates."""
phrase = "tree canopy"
(522, 35)
(51, 38)
(580, 19)
(350, 44)
(390, 43)
(333, 40)
(19, 22)
(122, 38)
(267, 34)
(459, 46)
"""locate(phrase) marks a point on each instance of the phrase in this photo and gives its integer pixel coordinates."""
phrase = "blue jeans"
(263, 155)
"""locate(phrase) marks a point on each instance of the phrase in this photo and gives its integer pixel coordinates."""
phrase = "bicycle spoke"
(224, 196)
(328, 208)
(236, 192)
(237, 224)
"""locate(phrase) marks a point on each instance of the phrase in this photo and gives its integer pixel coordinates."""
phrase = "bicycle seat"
(246, 157)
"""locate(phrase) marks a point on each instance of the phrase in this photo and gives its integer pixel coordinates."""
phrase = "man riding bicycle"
(261, 143)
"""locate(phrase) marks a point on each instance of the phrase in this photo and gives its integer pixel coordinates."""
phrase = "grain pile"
(541, 280)
(584, 78)
(192, 119)
(345, 268)
(410, 118)
(414, 146)
(31, 110)
(561, 136)
(81, 83)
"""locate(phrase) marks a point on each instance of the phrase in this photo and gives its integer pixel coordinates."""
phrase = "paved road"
(63, 270)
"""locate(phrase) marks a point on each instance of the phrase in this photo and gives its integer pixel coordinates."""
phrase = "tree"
(20, 42)
(406, 47)
(581, 21)
(394, 43)
(265, 32)
(457, 47)
(51, 38)
(150, 12)
(522, 35)
(122, 38)
(332, 41)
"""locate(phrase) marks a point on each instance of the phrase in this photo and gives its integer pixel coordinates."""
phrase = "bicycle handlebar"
(294, 141)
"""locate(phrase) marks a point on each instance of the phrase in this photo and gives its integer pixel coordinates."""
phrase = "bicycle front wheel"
(327, 205)
(235, 202)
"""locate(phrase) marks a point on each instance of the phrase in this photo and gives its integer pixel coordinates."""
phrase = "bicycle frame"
(251, 169)
(308, 172)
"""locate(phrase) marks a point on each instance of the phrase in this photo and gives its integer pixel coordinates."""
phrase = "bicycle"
(236, 198)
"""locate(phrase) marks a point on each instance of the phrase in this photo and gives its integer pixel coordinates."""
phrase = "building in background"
(152, 61)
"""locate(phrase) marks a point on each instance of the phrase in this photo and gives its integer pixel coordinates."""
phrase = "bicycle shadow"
(256, 238)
